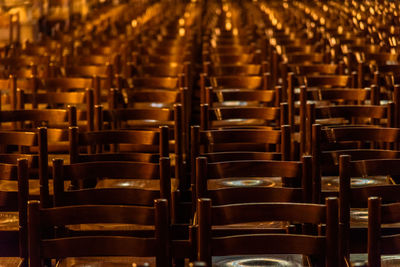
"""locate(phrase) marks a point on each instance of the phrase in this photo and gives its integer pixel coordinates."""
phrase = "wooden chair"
(362, 143)
(380, 243)
(304, 69)
(238, 144)
(322, 246)
(354, 199)
(13, 209)
(349, 115)
(348, 112)
(133, 173)
(222, 181)
(118, 145)
(233, 82)
(38, 147)
(320, 82)
(42, 247)
(132, 118)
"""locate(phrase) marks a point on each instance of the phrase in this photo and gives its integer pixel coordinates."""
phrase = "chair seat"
(359, 219)
(135, 183)
(386, 261)
(10, 262)
(259, 260)
(106, 262)
(331, 183)
(244, 181)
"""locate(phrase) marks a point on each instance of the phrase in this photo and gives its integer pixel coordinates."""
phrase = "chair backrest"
(304, 57)
(88, 71)
(238, 82)
(215, 69)
(242, 117)
(245, 97)
(236, 144)
(324, 247)
(293, 174)
(125, 170)
(161, 70)
(119, 145)
(42, 247)
(167, 83)
(53, 118)
(56, 99)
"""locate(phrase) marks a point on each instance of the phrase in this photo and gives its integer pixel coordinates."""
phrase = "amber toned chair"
(308, 69)
(361, 143)
(131, 118)
(238, 144)
(355, 199)
(118, 145)
(42, 247)
(340, 107)
(112, 170)
(381, 244)
(214, 179)
(323, 247)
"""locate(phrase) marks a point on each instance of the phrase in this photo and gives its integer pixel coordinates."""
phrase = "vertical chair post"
(344, 207)
(374, 227)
